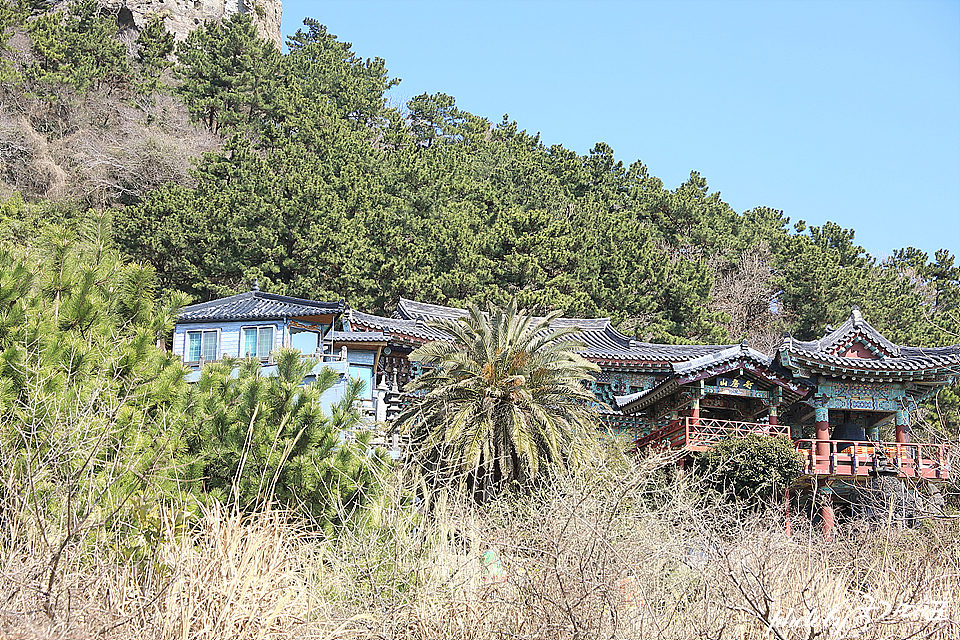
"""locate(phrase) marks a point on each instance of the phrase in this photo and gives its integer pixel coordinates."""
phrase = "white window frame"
(259, 327)
(186, 345)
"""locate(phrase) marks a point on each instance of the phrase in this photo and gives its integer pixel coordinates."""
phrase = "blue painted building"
(255, 324)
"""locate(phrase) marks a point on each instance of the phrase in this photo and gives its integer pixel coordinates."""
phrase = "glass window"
(265, 342)
(305, 342)
(202, 345)
(257, 342)
(193, 345)
(365, 375)
(249, 343)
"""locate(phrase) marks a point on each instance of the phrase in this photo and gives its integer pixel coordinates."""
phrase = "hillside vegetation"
(138, 174)
(312, 182)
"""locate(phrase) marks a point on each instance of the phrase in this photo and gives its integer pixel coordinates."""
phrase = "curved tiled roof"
(892, 360)
(412, 310)
(673, 352)
(257, 305)
(905, 363)
(703, 367)
(355, 336)
(602, 340)
(733, 352)
(394, 327)
(930, 352)
(854, 327)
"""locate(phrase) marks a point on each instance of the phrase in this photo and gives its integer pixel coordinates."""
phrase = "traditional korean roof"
(603, 343)
(257, 305)
(355, 336)
(406, 331)
(730, 354)
(412, 310)
(739, 356)
(890, 362)
(854, 329)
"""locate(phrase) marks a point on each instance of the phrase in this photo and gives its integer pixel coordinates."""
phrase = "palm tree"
(500, 403)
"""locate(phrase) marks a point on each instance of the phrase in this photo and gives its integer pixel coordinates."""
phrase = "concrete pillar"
(903, 427)
(825, 494)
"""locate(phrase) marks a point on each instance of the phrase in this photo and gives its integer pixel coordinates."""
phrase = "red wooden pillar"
(823, 433)
(903, 427)
(826, 511)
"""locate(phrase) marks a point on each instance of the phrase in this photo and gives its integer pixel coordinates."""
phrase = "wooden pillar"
(823, 432)
(903, 427)
(695, 411)
(772, 416)
(825, 494)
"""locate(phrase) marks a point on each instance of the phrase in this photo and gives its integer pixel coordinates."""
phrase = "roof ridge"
(216, 301)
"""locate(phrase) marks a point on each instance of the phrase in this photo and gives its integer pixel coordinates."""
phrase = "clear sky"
(847, 111)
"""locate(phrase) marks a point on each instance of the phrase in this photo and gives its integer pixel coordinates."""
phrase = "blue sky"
(843, 111)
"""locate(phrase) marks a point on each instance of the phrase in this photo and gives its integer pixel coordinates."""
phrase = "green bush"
(751, 469)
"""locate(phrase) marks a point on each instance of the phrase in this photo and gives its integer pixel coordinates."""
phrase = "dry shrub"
(631, 550)
(229, 575)
(636, 553)
(99, 148)
(744, 292)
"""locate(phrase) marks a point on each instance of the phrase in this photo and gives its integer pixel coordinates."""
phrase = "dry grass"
(588, 558)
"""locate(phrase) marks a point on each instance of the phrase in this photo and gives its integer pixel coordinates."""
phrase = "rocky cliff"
(182, 16)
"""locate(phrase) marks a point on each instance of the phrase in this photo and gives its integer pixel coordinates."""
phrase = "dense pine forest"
(222, 160)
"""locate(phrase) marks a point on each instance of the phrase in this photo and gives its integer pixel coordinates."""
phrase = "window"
(202, 345)
(257, 342)
(305, 341)
(365, 375)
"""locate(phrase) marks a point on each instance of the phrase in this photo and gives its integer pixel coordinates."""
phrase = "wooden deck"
(843, 458)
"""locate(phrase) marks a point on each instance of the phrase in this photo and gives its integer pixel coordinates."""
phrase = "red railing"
(859, 458)
(702, 434)
(820, 457)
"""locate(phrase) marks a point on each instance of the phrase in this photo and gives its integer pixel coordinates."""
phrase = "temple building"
(626, 365)
(847, 401)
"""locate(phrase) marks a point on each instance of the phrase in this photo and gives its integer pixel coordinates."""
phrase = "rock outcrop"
(183, 16)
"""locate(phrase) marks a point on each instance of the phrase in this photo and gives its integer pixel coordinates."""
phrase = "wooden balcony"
(702, 434)
(843, 458)
(849, 458)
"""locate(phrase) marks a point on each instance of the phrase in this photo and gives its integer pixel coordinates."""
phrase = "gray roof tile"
(891, 359)
(257, 305)
(602, 340)
(355, 336)
(853, 327)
